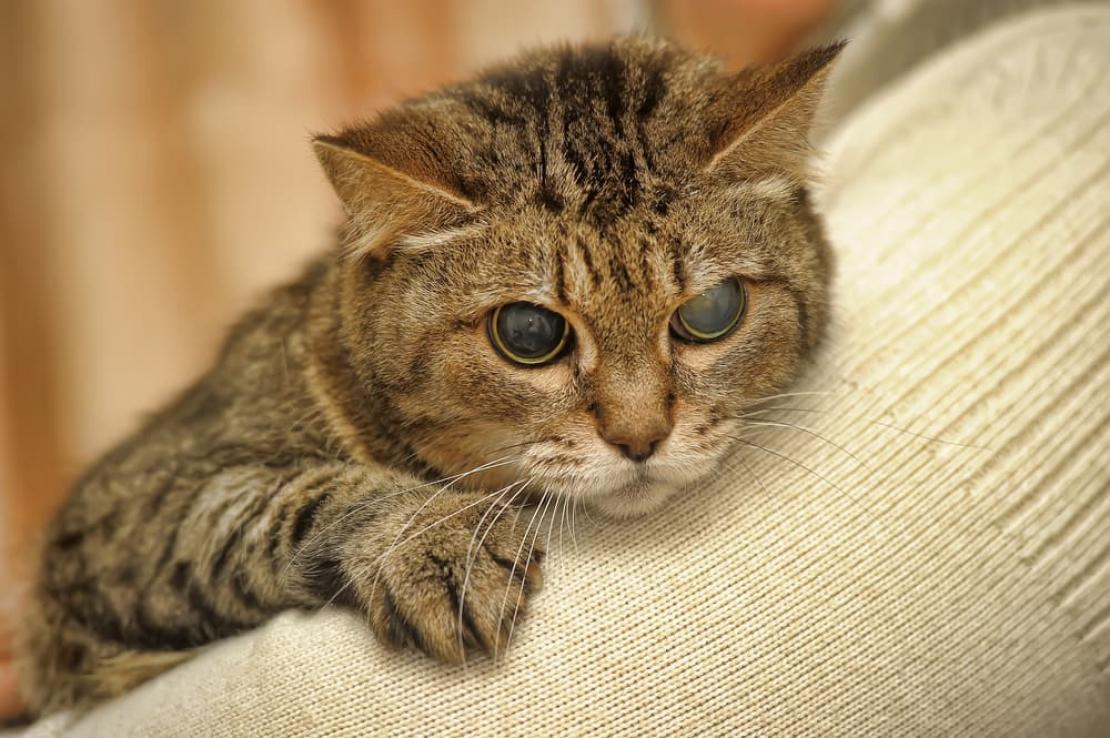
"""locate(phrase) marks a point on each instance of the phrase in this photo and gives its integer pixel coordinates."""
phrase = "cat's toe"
(458, 591)
(424, 620)
(495, 593)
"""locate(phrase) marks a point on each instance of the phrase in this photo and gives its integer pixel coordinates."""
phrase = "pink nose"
(639, 446)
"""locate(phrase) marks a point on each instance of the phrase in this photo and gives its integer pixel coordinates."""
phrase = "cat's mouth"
(614, 485)
(643, 496)
(630, 492)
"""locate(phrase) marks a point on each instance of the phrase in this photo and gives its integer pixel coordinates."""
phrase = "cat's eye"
(711, 315)
(528, 334)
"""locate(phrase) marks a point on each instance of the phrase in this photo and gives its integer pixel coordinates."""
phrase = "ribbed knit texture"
(879, 583)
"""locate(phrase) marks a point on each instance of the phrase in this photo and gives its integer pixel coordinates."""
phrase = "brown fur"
(359, 441)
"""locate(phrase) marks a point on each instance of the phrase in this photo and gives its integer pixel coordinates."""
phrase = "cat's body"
(362, 441)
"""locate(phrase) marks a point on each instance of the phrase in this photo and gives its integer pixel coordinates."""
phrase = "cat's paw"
(456, 579)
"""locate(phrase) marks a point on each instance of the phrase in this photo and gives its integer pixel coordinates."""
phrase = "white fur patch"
(421, 242)
(373, 236)
(775, 187)
(368, 240)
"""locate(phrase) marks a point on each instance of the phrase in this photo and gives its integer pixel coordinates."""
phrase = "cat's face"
(581, 268)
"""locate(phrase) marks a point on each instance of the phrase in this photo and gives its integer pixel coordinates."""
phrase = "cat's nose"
(633, 409)
(639, 446)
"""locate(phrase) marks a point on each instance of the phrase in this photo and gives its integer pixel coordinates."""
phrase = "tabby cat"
(568, 276)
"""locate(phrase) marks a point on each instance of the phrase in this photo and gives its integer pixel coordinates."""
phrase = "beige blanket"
(922, 551)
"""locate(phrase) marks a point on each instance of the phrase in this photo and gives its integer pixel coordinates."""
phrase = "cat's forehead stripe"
(587, 110)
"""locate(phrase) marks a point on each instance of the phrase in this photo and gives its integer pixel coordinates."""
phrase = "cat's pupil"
(528, 331)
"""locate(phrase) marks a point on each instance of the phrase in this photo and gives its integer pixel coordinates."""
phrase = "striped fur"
(363, 406)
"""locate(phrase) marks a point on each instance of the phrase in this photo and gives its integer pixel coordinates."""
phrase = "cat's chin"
(640, 498)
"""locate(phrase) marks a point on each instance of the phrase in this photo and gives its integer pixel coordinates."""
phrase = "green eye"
(528, 334)
(711, 315)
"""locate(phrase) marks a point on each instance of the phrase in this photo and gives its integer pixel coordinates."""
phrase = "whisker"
(929, 438)
(822, 477)
(781, 395)
(815, 434)
(562, 524)
(381, 559)
(586, 512)
(346, 585)
(551, 524)
(377, 499)
(751, 472)
(377, 563)
(880, 423)
(445, 518)
(531, 550)
(508, 446)
(573, 517)
(412, 518)
(512, 572)
(477, 547)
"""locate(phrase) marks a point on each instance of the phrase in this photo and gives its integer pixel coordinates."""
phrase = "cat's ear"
(766, 115)
(388, 203)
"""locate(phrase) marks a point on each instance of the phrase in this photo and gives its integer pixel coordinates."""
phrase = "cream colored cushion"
(914, 588)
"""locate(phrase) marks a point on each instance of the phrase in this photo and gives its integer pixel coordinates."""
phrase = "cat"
(567, 277)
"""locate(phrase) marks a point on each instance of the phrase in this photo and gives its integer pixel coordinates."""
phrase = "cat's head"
(580, 267)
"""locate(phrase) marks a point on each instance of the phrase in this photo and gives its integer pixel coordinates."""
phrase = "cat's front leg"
(445, 572)
(116, 603)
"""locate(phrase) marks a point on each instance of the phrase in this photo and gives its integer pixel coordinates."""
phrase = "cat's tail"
(114, 675)
(63, 667)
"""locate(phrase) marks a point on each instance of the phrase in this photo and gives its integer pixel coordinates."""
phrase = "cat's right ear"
(385, 205)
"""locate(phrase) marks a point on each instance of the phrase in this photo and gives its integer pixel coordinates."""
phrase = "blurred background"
(156, 178)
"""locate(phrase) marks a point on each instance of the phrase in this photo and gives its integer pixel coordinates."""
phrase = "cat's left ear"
(390, 199)
(766, 113)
